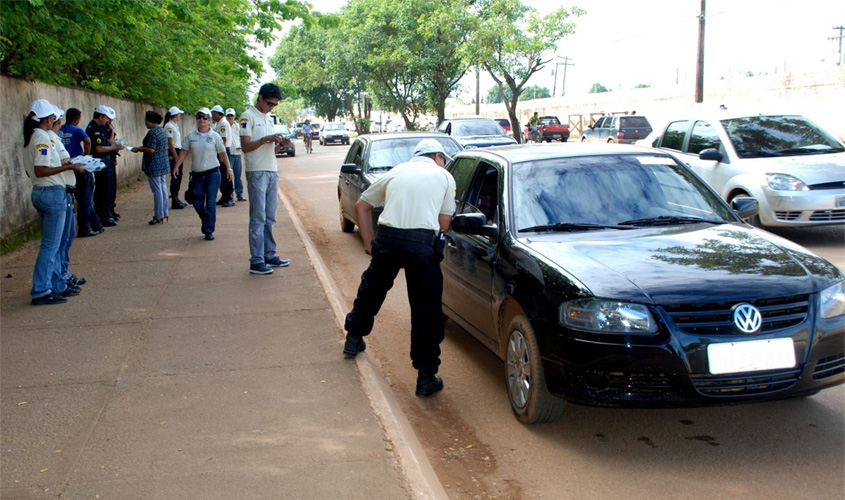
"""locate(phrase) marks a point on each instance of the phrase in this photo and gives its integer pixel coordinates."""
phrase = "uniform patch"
(99, 141)
(42, 149)
(244, 122)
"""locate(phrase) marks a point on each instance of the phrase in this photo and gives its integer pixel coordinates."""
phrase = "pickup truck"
(551, 129)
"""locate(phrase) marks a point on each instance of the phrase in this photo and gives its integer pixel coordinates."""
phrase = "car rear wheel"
(346, 225)
(530, 398)
(292, 153)
(583, 139)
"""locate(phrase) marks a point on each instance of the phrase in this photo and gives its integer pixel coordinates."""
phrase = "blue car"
(474, 133)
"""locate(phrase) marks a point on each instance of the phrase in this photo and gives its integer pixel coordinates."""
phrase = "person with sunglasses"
(260, 144)
(207, 153)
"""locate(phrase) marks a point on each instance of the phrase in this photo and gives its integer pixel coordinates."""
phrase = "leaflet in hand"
(90, 163)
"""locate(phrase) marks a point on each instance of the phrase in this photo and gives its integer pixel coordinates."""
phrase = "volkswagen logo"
(747, 318)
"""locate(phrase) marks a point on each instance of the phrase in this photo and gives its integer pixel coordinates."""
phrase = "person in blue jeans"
(51, 198)
(156, 164)
(207, 153)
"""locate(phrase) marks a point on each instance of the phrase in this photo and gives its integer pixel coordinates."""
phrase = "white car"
(794, 169)
(334, 132)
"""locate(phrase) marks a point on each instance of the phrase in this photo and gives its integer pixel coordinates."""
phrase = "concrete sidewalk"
(178, 375)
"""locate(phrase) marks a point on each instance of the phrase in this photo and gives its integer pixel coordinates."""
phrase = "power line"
(566, 62)
(840, 37)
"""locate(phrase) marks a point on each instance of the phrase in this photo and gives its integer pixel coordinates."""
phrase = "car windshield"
(764, 136)
(634, 122)
(549, 120)
(476, 127)
(610, 190)
(386, 154)
(281, 129)
(333, 126)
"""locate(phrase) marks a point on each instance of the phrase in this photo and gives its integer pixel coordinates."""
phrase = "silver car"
(334, 132)
(790, 165)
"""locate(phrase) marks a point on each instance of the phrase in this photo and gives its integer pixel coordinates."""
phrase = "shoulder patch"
(244, 122)
(43, 149)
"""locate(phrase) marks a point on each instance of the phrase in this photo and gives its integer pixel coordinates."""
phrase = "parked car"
(334, 132)
(315, 131)
(614, 276)
(552, 130)
(288, 149)
(297, 128)
(476, 132)
(794, 168)
(505, 124)
(624, 129)
(370, 157)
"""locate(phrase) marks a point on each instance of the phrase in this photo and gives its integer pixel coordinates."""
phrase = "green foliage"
(598, 88)
(642, 86)
(190, 53)
(530, 92)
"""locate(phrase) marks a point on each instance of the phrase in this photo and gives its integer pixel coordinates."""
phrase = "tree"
(513, 42)
(598, 88)
(531, 92)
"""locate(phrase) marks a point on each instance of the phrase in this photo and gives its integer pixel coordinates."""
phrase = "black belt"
(205, 172)
(424, 236)
(70, 189)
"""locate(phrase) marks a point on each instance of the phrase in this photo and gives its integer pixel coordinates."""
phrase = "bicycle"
(308, 141)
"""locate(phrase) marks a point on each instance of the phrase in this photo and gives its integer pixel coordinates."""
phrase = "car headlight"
(832, 300)
(607, 316)
(783, 182)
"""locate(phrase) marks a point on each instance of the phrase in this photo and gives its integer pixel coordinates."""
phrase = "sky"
(623, 43)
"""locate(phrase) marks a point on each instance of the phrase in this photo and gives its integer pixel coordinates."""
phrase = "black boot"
(428, 384)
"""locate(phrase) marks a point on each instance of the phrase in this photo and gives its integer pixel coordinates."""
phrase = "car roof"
(470, 118)
(532, 152)
(714, 116)
(400, 135)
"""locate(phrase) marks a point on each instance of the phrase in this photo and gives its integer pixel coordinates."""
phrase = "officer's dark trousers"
(105, 190)
(425, 290)
(86, 218)
(175, 182)
(227, 187)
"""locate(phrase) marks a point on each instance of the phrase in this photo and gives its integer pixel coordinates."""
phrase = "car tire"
(583, 139)
(292, 153)
(754, 221)
(611, 141)
(529, 397)
(346, 225)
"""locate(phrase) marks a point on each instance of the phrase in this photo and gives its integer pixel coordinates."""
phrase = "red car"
(505, 123)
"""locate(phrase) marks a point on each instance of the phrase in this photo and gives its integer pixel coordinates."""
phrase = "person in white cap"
(207, 153)
(419, 201)
(236, 154)
(103, 146)
(224, 130)
(77, 143)
(69, 231)
(51, 199)
(174, 144)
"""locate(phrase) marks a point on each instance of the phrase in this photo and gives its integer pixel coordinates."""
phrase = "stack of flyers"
(91, 164)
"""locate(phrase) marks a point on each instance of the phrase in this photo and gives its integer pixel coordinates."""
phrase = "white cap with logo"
(217, 108)
(175, 111)
(42, 108)
(204, 111)
(429, 146)
(105, 110)
(231, 111)
(58, 113)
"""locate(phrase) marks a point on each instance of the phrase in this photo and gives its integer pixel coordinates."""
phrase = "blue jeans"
(263, 188)
(68, 235)
(158, 185)
(237, 168)
(51, 204)
(205, 189)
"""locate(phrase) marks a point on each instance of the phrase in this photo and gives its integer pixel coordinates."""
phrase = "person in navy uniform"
(103, 147)
(77, 143)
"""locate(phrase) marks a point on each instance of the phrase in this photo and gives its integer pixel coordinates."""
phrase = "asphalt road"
(792, 449)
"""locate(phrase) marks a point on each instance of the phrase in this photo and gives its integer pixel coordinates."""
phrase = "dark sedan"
(370, 157)
(476, 132)
(614, 276)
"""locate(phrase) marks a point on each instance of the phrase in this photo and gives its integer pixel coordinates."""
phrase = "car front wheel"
(530, 398)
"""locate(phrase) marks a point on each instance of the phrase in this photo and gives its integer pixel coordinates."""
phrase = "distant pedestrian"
(419, 201)
(77, 143)
(236, 154)
(155, 164)
(224, 129)
(207, 152)
(51, 199)
(174, 144)
(260, 144)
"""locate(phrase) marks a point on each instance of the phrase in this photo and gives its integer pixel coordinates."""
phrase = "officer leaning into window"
(419, 198)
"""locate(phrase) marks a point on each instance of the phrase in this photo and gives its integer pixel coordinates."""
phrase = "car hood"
(483, 141)
(810, 169)
(686, 264)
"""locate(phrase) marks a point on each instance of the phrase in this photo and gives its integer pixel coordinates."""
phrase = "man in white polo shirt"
(260, 145)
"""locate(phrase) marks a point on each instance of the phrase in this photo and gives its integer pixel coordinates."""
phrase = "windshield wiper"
(572, 226)
(666, 220)
(810, 150)
(374, 169)
(756, 154)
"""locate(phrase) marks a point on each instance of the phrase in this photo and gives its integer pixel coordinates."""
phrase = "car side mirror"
(350, 168)
(474, 224)
(710, 154)
(745, 206)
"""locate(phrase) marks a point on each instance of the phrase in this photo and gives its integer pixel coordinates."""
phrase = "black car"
(618, 129)
(286, 149)
(614, 276)
(370, 157)
(476, 132)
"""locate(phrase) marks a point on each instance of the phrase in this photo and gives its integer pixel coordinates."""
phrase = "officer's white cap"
(217, 108)
(175, 111)
(58, 113)
(231, 111)
(204, 111)
(429, 146)
(105, 110)
(42, 108)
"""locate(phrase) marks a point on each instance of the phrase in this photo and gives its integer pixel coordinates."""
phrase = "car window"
(608, 190)
(634, 122)
(477, 127)
(386, 154)
(703, 136)
(462, 170)
(673, 137)
(549, 120)
(599, 123)
(354, 154)
(483, 197)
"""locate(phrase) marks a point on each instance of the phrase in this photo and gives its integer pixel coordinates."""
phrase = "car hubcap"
(519, 369)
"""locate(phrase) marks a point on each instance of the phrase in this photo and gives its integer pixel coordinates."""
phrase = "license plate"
(840, 202)
(751, 356)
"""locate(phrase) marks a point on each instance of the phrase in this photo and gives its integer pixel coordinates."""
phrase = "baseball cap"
(105, 110)
(429, 146)
(204, 111)
(174, 111)
(217, 108)
(58, 113)
(231, 111)
(42, 108)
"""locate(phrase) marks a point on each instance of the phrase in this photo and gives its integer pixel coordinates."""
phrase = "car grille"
(717, 318)
(787, 215)
(745, 384)
(827, 185)
(829, 367)
(828, 215)
(639, 383)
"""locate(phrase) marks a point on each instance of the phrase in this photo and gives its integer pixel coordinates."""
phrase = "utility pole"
(477, 90)
(841, 29)
(566, 62)
(699, 68)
